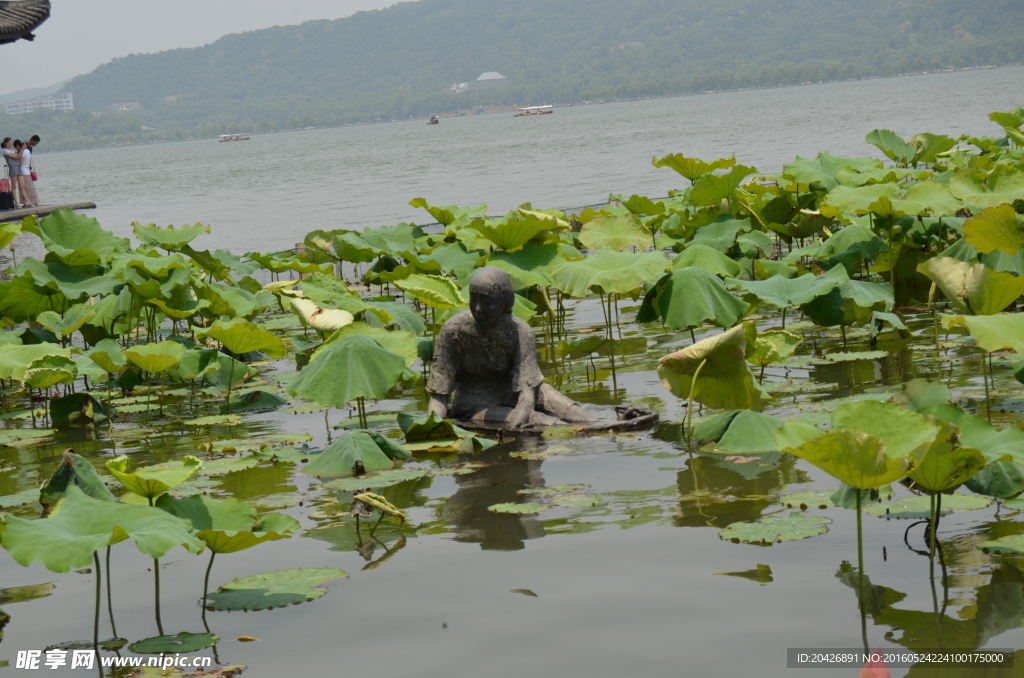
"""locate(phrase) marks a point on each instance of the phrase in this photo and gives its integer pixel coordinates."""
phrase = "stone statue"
(485, 364)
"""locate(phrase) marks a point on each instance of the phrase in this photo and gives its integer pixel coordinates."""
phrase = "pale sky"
(82, 34)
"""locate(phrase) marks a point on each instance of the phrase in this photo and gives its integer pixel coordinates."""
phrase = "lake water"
(267, 193)
(639, 585)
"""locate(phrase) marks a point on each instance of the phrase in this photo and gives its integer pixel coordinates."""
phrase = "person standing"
(12, 154)
(28, 185)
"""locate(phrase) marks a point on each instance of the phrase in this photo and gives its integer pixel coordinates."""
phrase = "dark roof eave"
(18, 18)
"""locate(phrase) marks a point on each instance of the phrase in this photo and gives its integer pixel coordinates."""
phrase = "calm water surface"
(626, 590)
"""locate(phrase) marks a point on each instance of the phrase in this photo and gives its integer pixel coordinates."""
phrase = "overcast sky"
(82, 34)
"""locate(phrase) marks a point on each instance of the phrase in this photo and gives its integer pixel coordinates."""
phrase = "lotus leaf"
(15, 358)
(514, 230)
(154, 481)
(918, 394)
(975, 432)
(353, 367)
(434, 434)
(179, 311)
(786, 292)
(720, 235)
(999, 479)
(892, 145)
(739, 431)
(81, 525)
(853, 238)
(946, 466)
(195, 364)
(279, 263)
(692, 168)
(76, 409)
(49, 371)
(73, 470)
(529, 508)
(990, 332)
(713, 372)
(377, 480)
(183, 642)
(1003, 184)
(916, 508)
(225, 369)
(532, 264)
(711, 189)
(273, 589)
(807, 499)
(689, 297)
(608, 272)
(324, 289)
(854, 458)
(375, 501)
(155, 358)
(78, 240)
(824, 170)
(241, 336)
(355, 453)
(450, 215)
(320, 319)
(396, 341)
(973, 288)
(995, 229)
(1011, 544)
(8, 232)
(21, 300)
(707, 258)
(169, 238)
(618, 232)
(434, 291)
(905, 434)
(771, 347)
(228, 525)
(776, 529)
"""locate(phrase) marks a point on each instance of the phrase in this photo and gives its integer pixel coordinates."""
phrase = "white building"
(55, 102)
(128, 106)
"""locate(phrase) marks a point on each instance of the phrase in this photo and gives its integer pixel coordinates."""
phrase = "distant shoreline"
(490, 110)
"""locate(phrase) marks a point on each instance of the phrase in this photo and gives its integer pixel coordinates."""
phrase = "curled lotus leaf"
(109, 355)
(854, 458)
(49, 371)
(995, 229)
(399, 342)
(169, 238)
(905, 434)
(16, 358)
(273, 589)
(689, 297)
(71, 321)
(771, 347)
(1004, 184)
(379, 503)
(991, 332)
(974, 289)
(356, 453)
(320, 319)
(155, 358)
(228, 525)
(723, 379)
(81, 525)
(353, 367)
(239, 336)
(776, 529)
(708, 258)
(151, 482)
(73, 470)
(692, 168)
(711, 189)
(946, 465)
(739, 431)
(435, 291)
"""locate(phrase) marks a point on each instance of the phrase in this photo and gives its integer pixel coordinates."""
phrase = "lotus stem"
(985, 374)
(689, 404)
(842, 329)
(860, 575)
(110, 605)
(377, 523)
(156, 589)
(783, 318)
(96, 615)
(206, 585)
(231, 377)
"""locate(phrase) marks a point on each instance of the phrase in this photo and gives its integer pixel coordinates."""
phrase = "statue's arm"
(527, 403)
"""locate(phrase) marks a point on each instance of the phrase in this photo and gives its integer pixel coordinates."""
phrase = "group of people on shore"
(21, 173)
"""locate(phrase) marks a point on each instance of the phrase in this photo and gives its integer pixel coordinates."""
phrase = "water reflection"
(498, 483)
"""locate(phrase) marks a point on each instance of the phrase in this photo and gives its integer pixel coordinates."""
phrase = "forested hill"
(393, 63)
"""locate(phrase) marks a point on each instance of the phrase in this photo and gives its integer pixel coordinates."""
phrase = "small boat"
(534, 110)
(233, 137)
(433, 120)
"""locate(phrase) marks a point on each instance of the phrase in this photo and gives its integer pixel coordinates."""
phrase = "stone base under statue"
(627, 419)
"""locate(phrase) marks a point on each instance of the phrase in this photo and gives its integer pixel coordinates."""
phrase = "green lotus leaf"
(887, 200)
(609, 272)
(228, 525)
(973, 288)
(273, 589)
(377, 480)
(776, 529)
(230, 301)
(527, 509)
(151, 482)
(155, 358)
(707, 258)
(946, 466)
(853, 238)
(991, 332)
(853, 457)
(892, 145)
(8, 232)
(918, 394)
(995, 229)
(71, 321)
(76, 409)
(724, 380)
(349, 368)
(919, 507)
(73, 283)
(905, 434)
(392, 239)
(795, 434)
(450, 215)
(616, 232)
(720, 235)
(398, 342)
(78, 240)
(711, 189)
(82, 525)
(931, 146)
(692, 168)
(179, 311)
(1003, 184)
(514, 230)
(434, 291)
(530, 265)
(16, 358)
(196, 363)
(183, 642)
(279, 263)
(996, 445)
(639, 205)
(771, 347)
(825, 169)
(49, 371)
(225, 368)
(169, 238)
(324, 289)
(355, 453)
(784, 293)
(73, 470)
(434, 434)
(808, 499)
(241, 336)
(320, 319)
(999, 479)
(739, 431)
(688, 298)
(21, 300)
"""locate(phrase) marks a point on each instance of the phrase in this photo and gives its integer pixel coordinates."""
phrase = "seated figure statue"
(485, 364)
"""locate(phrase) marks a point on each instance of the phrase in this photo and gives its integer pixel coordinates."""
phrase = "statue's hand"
(520, 416)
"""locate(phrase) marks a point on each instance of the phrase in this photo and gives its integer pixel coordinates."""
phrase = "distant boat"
(233, 137)
(535, 110)
(433, 120)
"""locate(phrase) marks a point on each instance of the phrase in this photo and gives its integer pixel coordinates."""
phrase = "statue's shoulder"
(458, 324)
(522, 327)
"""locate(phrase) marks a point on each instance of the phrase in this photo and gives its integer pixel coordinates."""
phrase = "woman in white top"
(12, 154)
(28, 186)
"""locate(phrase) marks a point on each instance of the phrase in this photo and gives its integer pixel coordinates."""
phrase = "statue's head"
(490, 296)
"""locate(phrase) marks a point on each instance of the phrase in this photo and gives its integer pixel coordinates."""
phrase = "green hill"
(393, 63)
